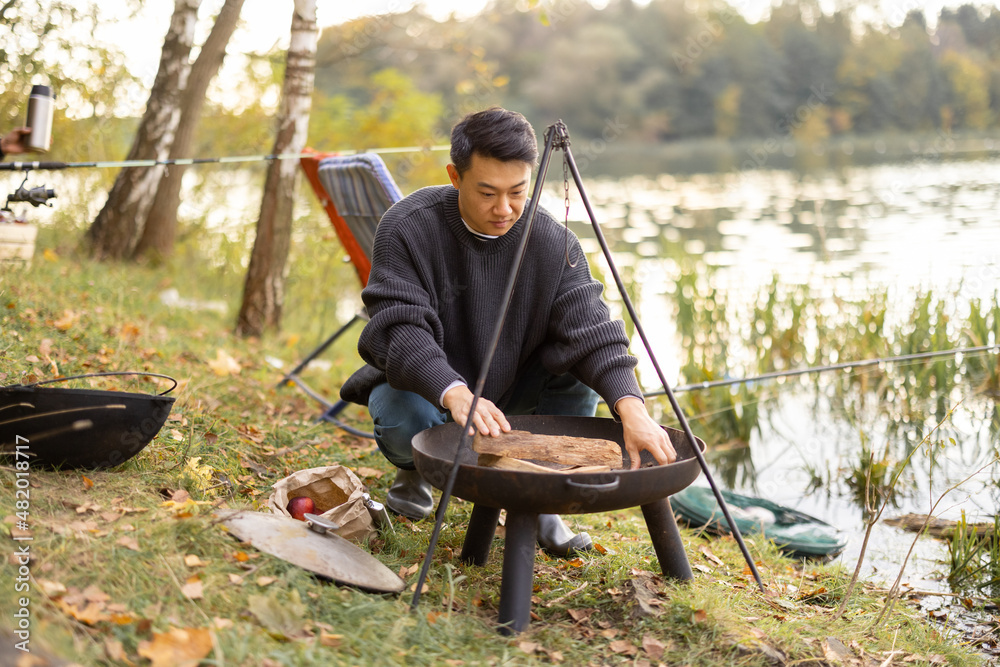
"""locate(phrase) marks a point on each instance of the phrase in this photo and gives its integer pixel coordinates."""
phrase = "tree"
(263, 291)
(159, 231)
(114, 232)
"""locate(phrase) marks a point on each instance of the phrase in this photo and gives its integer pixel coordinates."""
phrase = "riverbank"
(123, 563)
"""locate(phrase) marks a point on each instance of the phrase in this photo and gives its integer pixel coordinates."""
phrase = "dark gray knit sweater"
(435, 292)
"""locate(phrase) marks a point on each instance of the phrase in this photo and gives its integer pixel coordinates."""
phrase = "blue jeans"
(400, 415)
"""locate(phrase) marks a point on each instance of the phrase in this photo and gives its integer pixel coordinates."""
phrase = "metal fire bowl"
(78, 428)
(555, 493)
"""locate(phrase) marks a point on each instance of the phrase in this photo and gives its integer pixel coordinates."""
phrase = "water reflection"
(746, 273)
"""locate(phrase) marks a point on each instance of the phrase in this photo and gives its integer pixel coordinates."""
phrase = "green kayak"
(798, 535)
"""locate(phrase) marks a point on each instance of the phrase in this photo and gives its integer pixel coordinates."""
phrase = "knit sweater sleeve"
(584, 340)
(404, 337)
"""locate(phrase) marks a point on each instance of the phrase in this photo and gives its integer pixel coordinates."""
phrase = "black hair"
(493, 133)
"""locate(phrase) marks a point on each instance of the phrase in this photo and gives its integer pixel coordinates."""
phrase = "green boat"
(795, 533)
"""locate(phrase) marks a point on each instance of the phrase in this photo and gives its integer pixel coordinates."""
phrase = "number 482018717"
(23, 494)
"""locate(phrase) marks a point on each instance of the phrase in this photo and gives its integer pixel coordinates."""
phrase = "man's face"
(491, 193)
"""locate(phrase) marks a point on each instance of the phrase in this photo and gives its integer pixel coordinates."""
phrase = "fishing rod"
(829, 367)
(55, 166)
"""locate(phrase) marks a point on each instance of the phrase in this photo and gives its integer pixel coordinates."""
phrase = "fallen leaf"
(129, 543)
(699, 616)
(221, 623)
(280, 617)
(835, 651)
(87, 482)
(623, 646)
(265, 581)
(94, 594)
(241, 557)
(51, 588)
(580, 615)
(529, 647)
(115, 651)
(331, 640)
(653, 647)
(129, 332)
(405, 571)
(68, 319)
(224, 364)
(192, 560)
(369, 472)
(90, 613)
(50, 255)
(177, 646)
(236, 579)
(433, 616)
(193, 589)
(707, 553)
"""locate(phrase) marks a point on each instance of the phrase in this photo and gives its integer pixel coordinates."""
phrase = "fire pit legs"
(518, 572)
(666, 540)
(479, 536)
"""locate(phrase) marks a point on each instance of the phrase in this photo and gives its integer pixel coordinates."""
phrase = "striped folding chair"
(354, 190)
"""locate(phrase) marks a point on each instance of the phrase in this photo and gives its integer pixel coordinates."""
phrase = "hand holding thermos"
(36, 136)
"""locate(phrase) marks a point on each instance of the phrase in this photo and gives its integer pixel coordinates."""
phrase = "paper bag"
(337, 494)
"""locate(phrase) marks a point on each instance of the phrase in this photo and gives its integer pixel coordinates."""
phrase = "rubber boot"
(556, 538)
(410, 496)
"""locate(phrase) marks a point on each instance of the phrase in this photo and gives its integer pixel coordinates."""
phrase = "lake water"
(908, 228)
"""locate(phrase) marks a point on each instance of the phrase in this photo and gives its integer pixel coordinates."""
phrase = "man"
(440, 264)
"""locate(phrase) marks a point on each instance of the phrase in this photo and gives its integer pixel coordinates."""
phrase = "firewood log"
(564, 449)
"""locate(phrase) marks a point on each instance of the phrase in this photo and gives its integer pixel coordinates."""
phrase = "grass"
(113, 568)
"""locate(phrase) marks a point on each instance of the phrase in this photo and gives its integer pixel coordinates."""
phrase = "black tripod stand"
(557, 136)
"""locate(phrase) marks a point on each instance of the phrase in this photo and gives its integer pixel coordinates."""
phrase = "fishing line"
(846, 365)
(235, 159)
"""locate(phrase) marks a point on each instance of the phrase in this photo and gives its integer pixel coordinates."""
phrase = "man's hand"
(13, 141)
(489, 419)
(641, 432)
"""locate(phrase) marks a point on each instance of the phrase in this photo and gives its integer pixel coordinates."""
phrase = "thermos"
(40, 107)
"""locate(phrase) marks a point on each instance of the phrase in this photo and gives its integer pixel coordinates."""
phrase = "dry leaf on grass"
(653, 647)
(128, 543)
(115, 651)
(623, 646)
(192, 560)
(193, 589)
(90, 613)
(224, 364)
(283, 618)
(176, 647)
(68, 319)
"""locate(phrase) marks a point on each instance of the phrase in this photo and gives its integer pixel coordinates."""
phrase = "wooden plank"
(564, 449)
(507, 463)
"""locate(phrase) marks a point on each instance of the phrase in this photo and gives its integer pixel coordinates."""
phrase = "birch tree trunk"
(116, 229)
(263, 291)
(157, 240)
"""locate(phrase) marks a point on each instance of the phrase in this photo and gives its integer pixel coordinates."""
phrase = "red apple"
(299, 506)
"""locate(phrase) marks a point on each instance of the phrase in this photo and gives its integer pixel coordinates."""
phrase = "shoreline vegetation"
(127, 563)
